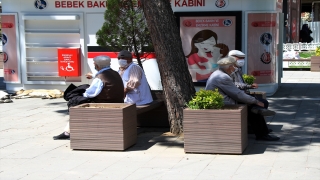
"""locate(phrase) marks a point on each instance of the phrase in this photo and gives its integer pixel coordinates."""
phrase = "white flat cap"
(226, 61)
(236, 53)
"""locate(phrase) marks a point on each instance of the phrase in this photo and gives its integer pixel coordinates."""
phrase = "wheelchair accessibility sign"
(69, 62)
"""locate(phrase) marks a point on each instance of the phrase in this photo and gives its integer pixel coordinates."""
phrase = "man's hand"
(126, 90)
(260, 104)
(254, 85)
(89, 75)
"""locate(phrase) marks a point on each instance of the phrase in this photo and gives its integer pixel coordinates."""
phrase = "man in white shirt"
(136, 87)
(106, 87)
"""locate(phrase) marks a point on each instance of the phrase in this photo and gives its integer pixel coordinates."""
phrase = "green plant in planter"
(206, 99)
(249, 79)
(318, 51)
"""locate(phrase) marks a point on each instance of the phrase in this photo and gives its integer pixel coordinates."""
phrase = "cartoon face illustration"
(203, 41)
(207, 45)
(204, 54)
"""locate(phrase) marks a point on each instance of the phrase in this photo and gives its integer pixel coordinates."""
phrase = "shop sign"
(189, 3)
(80, 4)
(69, 61)
(137, 3)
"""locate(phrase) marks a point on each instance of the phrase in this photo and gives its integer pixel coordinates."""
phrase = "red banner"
(6, 25)
(263, 24)
(206, 23)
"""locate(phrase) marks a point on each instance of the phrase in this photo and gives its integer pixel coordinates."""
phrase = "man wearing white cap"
(221, 80)
(237, 76)
(106, 87)
(239, 82)
(136, 87)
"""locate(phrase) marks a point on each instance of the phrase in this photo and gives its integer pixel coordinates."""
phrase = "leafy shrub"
(206, 99)
(249, 79)
(318, 51)
(307, 54)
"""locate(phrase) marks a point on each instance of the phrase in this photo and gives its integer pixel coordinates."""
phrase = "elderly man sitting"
(136, 87)
(221, 80)
(106, 87)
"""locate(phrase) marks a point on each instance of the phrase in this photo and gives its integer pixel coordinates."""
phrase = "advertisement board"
(262, 46)
(69, 62)
(10, 48)
(206, 38)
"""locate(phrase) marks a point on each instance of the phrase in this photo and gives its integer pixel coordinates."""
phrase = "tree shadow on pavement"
(148, 137)
(297, 121)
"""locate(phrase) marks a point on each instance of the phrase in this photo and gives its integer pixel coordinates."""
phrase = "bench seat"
(147, 107)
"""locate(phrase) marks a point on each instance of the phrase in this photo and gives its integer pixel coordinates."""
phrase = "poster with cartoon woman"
(205, 40)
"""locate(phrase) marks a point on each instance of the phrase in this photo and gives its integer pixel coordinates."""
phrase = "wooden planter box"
(315, 63)
(103, 126)
(218, 131)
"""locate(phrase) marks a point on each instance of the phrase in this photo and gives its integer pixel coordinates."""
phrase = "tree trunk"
(176, 80)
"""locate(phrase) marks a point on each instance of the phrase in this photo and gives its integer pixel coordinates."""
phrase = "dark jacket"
(113, 90)
(74, 95)
(305, 34)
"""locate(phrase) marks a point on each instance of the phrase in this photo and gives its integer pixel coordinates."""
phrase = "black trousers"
(257, 123)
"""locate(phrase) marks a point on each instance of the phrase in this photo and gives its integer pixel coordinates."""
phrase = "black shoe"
(268, 138)
(61, 136)
(262, 111)
(250, 131)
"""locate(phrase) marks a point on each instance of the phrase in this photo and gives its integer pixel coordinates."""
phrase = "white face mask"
(240, 62)
(122, 62)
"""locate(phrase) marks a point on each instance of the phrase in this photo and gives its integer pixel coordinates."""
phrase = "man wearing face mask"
(221, 80)
(136, 87)
(239, 82)
(237, 76)
(106, 87)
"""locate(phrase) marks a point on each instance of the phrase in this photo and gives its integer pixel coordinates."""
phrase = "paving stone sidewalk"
(27, 150)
